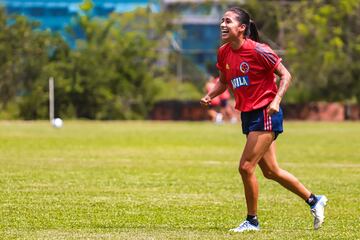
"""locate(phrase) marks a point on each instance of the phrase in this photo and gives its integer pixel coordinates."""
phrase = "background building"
(199, 35)
(198, 21)
(57, 14)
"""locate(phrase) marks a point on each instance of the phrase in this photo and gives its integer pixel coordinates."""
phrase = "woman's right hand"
(205, 101)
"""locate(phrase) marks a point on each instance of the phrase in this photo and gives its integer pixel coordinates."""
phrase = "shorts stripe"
(259, 120)
(267, 121)
(270, 123)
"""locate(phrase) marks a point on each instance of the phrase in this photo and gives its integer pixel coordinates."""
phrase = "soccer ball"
(57, 122)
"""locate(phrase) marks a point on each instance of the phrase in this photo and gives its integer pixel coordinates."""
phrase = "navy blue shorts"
(259, 120)
(223, 103)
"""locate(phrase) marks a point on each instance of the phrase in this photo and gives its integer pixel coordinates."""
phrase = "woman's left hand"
(273, 107)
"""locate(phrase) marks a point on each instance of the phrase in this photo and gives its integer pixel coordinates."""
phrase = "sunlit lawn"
(169, 180)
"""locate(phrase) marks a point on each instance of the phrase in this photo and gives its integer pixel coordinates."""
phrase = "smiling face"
(231, 28)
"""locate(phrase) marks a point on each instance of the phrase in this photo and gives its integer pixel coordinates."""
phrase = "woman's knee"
(246, 169)
(271, 174)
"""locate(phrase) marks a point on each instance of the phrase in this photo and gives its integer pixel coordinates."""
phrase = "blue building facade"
(199, 22)
(57, 14)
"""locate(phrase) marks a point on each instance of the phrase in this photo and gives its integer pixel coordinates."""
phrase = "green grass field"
(169, 180)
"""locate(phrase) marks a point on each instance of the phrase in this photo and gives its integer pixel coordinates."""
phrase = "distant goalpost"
(51, 100)
(55, 122)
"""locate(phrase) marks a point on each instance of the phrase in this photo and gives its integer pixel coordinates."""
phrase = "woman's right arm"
(218, 89)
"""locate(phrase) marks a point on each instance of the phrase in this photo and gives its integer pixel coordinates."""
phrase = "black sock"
(312, 200)
(253, 220)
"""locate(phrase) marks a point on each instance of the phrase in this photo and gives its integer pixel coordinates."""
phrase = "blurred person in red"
(219, 110)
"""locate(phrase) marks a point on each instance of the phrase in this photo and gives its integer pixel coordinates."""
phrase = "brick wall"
(192, 111)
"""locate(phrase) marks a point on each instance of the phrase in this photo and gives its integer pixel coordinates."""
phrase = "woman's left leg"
(271, 170)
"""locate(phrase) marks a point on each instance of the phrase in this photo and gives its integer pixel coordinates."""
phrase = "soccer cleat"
(245, 226)
(318, 211)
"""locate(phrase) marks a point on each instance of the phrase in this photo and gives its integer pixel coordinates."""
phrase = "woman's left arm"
(285, 80)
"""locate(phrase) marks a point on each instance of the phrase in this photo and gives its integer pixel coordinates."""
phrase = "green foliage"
(321, 42)
(322, 51)
(23, 53)
(267, 16)
(177, 90)
(87, 5)
(114, 73)
(121, 66)
(116, 67)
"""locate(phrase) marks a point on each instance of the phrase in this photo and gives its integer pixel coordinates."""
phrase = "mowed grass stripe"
(169, 180)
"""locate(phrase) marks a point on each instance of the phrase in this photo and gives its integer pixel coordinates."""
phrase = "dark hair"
(244, 18)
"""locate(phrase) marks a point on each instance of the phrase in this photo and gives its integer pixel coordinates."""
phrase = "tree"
(116, 70)
(23, 53)
(114, 73)
(323, 49)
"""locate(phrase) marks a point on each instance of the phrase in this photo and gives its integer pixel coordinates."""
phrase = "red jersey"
(249, 72)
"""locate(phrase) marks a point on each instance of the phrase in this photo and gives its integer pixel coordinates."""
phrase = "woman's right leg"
(256, 146)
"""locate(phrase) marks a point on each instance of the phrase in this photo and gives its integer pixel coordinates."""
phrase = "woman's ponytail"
(253, 32)
(244, 18)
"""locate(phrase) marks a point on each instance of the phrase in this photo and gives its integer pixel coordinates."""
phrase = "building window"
(57, 12)
(101, 11)
(12, 10)
(36, 11)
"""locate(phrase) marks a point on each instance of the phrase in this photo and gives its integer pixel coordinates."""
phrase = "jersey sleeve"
(267, 57)
(220, 59)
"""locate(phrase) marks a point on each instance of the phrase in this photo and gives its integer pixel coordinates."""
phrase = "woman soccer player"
(248, 68)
